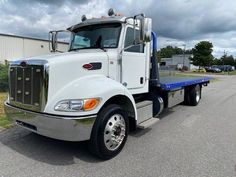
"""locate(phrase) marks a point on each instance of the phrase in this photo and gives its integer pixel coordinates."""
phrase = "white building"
(15, 47)
(177, 61)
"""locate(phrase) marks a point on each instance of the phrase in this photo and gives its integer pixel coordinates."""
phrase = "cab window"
(129, 40)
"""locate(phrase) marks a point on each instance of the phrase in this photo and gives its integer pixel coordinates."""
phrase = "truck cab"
(106, 85)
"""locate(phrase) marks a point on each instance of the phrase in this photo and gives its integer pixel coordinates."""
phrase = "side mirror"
(142, 29)
(59, 40)
(146, 29)
(53, 41)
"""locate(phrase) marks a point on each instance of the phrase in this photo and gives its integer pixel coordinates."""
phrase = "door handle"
(141, 80)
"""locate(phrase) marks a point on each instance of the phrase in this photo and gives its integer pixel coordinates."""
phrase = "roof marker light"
(83, 18)
(111, 12)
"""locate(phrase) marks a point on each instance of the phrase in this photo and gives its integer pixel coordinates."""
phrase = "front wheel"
(110, 132)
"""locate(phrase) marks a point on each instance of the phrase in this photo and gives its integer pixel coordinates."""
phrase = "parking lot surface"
(186, 142)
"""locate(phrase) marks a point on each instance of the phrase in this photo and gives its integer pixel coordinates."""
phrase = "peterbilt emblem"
(88, 66)
(23, 64)
(93, 66)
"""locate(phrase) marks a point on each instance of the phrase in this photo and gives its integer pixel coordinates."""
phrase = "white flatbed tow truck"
(106, 85)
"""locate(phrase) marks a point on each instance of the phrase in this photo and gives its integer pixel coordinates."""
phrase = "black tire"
(97, 143)
(192, 95)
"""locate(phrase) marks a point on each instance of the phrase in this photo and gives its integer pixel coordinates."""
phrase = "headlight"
(77, 105)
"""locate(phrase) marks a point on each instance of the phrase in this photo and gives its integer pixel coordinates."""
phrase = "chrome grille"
(28, 84)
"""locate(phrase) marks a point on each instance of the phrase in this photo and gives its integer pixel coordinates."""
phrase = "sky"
(177, 22)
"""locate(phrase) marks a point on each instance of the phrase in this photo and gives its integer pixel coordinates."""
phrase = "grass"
(187, 74)
(232, 72)
(214, 79)
(222, 73)
(4, 122)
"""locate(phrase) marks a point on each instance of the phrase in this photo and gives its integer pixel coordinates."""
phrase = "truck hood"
(65, 68)
(57, 57)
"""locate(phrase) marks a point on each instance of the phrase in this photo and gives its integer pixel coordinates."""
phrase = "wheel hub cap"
(198, 94)
(114, 132)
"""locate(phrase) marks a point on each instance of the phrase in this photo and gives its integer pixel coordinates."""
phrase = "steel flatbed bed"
(175, 82)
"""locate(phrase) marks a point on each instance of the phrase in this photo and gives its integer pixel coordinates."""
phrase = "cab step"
(148, 123)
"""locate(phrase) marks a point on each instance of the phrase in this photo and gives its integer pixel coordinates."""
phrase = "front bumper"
(57, 127)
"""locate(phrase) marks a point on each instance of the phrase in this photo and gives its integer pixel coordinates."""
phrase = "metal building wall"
(16, 47)
(182, 60)
(10, 48)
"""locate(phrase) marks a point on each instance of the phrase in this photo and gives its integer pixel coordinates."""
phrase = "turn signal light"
(90, 104)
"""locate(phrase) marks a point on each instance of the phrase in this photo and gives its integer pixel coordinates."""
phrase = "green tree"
(216, 61)
(169, 51)
(227, 60)
(202, 54)
(3, 78)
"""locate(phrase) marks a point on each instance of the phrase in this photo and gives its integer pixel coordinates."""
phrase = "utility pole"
(223, 59)
(184, 55)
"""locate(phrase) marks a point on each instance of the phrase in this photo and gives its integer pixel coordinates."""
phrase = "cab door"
(133, 62)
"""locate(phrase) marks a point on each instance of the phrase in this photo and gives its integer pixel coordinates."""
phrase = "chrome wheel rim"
(198, 94)
(114, 132)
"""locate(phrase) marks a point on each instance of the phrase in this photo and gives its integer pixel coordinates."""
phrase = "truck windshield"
(96, 36)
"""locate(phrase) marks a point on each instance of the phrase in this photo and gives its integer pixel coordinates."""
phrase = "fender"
(92, 86)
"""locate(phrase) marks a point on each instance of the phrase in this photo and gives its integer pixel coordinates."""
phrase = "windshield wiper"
(74, 49)
(104, 50)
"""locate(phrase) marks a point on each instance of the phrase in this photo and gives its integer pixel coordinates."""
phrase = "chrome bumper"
(57, 127)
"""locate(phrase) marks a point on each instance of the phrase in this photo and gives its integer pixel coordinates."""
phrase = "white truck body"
(116, 79)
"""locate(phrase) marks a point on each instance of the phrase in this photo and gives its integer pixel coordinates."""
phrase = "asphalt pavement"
(186, 142)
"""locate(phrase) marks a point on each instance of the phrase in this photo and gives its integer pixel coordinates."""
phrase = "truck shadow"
(55, 152)
(165, 113)
(47, 150)
(140, 132)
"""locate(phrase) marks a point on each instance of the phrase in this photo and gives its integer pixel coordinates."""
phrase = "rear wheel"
(193, 95)
(109, 132)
